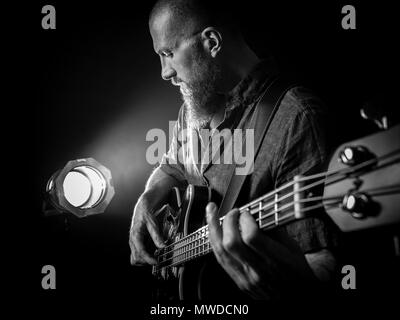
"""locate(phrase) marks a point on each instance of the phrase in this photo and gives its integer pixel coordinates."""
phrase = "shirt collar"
(251, 86)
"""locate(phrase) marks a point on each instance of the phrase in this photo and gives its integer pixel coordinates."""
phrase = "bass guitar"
(361, 189)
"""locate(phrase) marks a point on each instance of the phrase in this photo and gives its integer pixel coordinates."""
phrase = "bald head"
(200, 51)
(194, 15)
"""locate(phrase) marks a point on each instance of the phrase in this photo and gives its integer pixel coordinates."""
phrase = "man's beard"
(200, 94)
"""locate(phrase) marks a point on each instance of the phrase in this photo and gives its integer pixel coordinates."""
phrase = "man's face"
(186, 63)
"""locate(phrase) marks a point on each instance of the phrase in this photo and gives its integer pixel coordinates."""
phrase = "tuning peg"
(360, 205)
(370, 112)
(353, 155)
(357, 204)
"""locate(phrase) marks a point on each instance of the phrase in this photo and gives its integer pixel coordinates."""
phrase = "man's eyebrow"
(162, 49)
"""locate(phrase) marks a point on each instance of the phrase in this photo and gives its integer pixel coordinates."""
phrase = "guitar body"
(203, 278)
(181, 216)
(193, 208)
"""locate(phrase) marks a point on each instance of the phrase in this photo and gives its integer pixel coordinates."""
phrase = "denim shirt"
(294, 145)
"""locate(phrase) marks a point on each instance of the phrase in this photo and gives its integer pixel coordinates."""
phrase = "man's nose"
(167, 72)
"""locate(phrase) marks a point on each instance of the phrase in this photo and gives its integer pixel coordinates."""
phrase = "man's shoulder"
(301, 100)
(300, 108)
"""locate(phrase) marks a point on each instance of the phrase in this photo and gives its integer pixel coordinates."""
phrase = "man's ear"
(212, 40)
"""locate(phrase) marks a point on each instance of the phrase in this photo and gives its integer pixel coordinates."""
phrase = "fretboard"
(272, 210)
(292, 201)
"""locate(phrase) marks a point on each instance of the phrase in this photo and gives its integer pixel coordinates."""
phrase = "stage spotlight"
(83, 187)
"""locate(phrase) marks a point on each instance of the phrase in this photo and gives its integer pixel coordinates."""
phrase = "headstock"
(368, 180)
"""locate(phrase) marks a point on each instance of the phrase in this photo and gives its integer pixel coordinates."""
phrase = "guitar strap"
(261, 120)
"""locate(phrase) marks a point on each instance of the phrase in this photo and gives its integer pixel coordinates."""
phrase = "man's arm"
(144, 232)
(144, 227)
(263, 267)
(304, 151)
(269, 267)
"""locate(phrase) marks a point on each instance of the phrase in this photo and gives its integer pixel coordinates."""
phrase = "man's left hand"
(261, 266)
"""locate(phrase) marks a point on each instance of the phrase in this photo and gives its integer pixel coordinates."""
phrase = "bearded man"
(221, 79)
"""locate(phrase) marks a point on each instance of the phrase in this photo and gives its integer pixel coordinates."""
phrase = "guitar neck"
(269, 211)
(295, 199)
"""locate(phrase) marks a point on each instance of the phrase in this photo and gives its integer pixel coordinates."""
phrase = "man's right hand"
(144, 235)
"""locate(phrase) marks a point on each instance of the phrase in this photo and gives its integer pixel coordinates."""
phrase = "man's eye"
(166, 53)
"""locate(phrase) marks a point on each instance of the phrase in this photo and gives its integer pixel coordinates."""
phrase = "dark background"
(94, 90)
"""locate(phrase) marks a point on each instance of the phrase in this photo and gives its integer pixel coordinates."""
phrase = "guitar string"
(376, 191)
(268, 205)
(199, 233)
(256, 202)
(358, 166)
(289, 205)
(257, 210)
(205, 231)
(206, 240)
(331, 173)
(205, 251)
(206, 243)
(327, 175)
(242, 208)
(386, 190)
